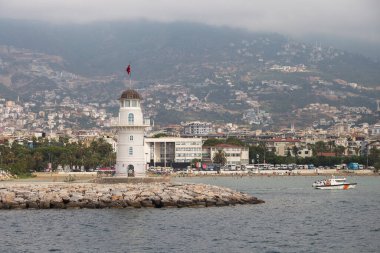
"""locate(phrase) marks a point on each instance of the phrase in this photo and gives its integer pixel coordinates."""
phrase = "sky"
(347, 20)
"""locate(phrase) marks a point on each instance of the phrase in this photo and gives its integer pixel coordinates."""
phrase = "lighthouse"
(130, 156)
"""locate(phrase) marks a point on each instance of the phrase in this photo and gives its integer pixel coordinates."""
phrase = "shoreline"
(93, 177)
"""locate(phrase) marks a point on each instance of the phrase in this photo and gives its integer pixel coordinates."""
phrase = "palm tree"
(220, 157)
(9, 157)
(319, 147)
(340, 150)
(288, 153)
(295, 150)
(331, 145)
(38, 158)
(263, 146)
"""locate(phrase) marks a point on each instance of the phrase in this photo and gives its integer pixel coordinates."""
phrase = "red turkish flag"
(128, 69)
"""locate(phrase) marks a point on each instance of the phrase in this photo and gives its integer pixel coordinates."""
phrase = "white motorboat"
(333, 184)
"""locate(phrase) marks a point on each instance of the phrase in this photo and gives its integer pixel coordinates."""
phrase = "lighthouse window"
(130, 151)
(134, 103)
(127, 103)
(131, 138)
(131, 118)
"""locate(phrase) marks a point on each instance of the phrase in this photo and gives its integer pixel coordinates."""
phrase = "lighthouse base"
(130, 169)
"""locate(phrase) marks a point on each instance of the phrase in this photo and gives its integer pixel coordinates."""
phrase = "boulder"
(147, 203)
(8, 197)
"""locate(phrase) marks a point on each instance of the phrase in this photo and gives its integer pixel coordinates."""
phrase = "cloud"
(351, 19)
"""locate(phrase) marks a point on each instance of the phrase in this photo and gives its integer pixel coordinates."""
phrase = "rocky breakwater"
(4, 175)
(75, 195)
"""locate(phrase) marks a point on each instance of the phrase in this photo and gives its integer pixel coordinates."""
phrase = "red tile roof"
(326, 154)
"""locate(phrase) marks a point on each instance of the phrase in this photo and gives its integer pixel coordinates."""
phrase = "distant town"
(227, 104)
(187, 143)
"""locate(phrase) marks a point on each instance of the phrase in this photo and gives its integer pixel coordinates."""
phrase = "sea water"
(295, 218)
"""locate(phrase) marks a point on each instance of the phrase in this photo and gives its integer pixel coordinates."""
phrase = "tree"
(38, 158)
(295, 150)
(67, 158)
(220, 157)
(319, 147)
(101, 151)
(21, 160)
(212, 142)
(234, 141)
(229, 140)
(195, 161)
(159, 135)
(374, 158)
(288, 153)
(261, 152)
(340, 150)
(331, 145)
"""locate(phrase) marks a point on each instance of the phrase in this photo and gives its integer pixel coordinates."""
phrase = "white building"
(235, 155)
(198, 128)
(304, 152)
(130, 155)
(376, 129)
(168, 150)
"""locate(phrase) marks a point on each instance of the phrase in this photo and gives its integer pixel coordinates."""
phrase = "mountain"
(155, 49)
(7, 93)
(220, 68)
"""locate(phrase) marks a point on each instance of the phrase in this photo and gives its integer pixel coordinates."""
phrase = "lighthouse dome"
(130, 94)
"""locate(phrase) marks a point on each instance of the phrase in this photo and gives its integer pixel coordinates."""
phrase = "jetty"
(118, 195)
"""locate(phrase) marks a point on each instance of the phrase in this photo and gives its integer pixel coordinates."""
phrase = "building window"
(130, 151)
(126, 103)
(134, 103)
(131, 118)
(131, 137)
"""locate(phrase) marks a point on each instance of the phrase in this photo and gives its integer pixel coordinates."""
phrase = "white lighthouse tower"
(130, 157)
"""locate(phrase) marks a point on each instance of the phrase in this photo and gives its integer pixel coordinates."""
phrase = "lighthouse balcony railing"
(146, 122)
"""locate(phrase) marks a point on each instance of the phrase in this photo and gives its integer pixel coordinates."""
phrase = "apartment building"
(169, 150)
(235, 155)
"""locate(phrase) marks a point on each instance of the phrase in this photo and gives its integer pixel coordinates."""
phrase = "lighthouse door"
(131, 170)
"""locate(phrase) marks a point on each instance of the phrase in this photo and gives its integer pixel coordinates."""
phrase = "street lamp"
(154, 154)
(146, 162)
(264, 153)
(367, 155)
(49, 163)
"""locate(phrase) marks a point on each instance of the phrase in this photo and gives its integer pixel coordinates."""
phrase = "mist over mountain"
(359, 47)
(156, 49)
(189, 71)
(104, 48)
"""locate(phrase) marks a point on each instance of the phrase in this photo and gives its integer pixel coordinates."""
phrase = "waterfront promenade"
(83, 177)
(305, 172)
